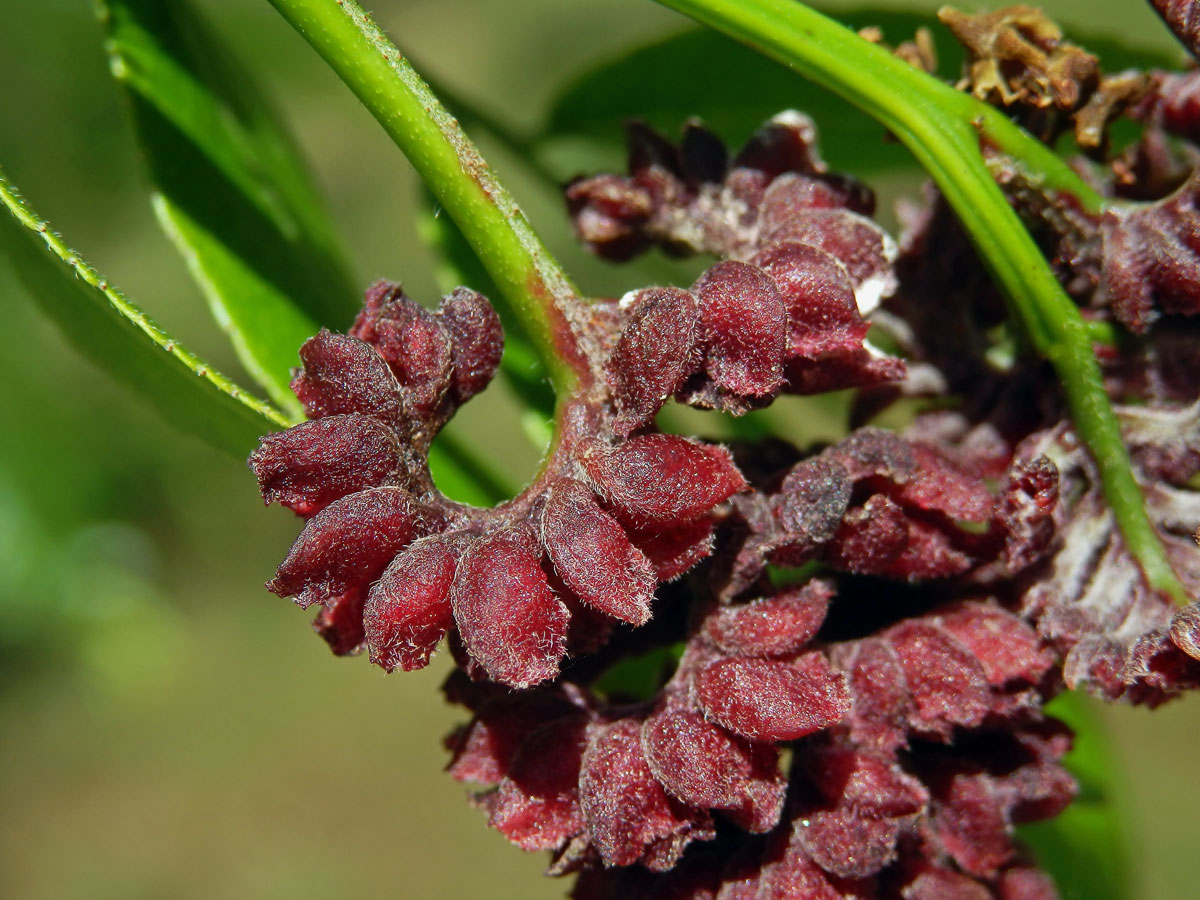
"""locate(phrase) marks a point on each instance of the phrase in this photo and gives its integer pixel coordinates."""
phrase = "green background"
(167, 727)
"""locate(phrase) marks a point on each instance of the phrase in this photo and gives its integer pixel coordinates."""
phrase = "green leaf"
(231, 191)
(1084, 849)
(731, 88)
(734, 89)
(462, 475)
(108, 328)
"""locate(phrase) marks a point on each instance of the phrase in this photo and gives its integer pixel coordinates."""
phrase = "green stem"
(529, 278)
(943, 128)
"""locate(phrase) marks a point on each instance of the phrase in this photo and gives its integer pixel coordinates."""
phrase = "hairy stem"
(943, 129)
(528, 277)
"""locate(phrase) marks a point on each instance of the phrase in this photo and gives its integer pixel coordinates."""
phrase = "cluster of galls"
(718, 674)
(396, 565)
(784, 311)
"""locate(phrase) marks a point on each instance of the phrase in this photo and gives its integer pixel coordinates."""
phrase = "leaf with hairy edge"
(106, 327)
(1086, 847)
(231, 191)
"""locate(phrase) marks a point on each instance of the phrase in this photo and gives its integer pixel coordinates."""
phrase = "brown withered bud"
(1017, 54)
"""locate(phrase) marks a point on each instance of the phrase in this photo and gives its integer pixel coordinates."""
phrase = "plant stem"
(943, 129)
(529, 278)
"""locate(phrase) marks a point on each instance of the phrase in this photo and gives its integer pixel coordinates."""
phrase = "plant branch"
(529, 278)
(943, 128)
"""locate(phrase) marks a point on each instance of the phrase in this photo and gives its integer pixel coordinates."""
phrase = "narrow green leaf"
(731, 88)
(1085, 848)
(109, 329)
(735, 89)
(231, 190)
(461, 474)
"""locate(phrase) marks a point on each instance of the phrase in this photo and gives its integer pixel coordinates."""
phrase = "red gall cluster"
(844, 654)
(915, 750)
(783, 312)
(618, 509)
(396, 565)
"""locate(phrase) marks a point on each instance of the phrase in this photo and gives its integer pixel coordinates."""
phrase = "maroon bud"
(847, 843)
(703, 156)
(476, 340)
(312, 464)
(1036, 792)
(408, 609)
(793, 192)
(593, 556)
(786, 143)
(858, 369)
(1026, 883)
(654, 354)
(347, 544)
(882, 702)
(881, 539)
(812, 501)
(1152, 258)
(485, 751)
(745, 323)
(823, 317)
(414, 343)
(508, 616)
(1007, 648)
(947, 683)
(704, 766)
(765, 700)
(872, 538)
(626, 809)
(853, 240)
(793, 875)
(340, 622)
(866, 782)
(971, 825)
(771, 626)
(662, 477)
(938, 485)
(341, 374)
(609, 213)
(673, 549)
(537, 804)
(930, 882)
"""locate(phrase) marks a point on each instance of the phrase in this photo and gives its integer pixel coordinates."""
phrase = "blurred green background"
(167, 727)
